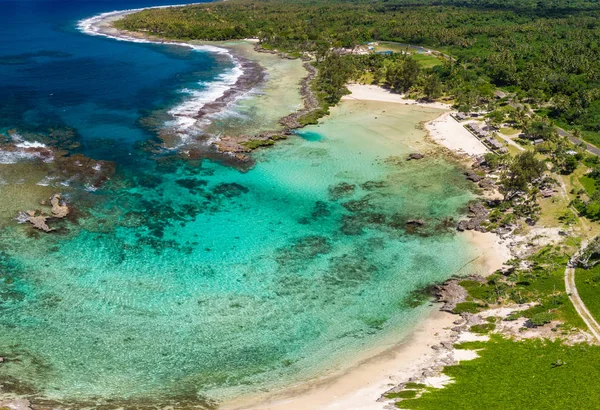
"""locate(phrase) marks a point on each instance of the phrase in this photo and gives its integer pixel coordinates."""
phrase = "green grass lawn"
(426, 60)
(390, 46)
(592, 137)
(511, 375)
(589, 184)
(508, 131)
(543, 284)
(588, 287)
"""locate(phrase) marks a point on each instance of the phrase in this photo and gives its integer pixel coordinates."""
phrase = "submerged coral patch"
(302, 251)
(349, 270)
(230, 189)
(341, 190)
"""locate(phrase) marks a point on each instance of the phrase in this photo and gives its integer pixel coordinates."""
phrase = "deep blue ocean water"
(180, 281)
(53, 75)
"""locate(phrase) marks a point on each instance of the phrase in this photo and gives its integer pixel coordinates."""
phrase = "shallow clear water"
(191, 280)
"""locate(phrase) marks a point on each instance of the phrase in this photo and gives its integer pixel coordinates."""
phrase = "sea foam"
(24, 150)
(184, 114)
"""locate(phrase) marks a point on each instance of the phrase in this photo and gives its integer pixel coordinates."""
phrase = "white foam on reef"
(28, 144)
(22, 217)
(11, 157)
(184, 114)
(24, 150)
(46, 181)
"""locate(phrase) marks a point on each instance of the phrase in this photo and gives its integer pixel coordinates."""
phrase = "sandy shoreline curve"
(444, 130)
(362, 385)
(364, 92)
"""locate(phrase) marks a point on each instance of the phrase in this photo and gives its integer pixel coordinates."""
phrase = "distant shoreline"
(245, 76)
(251, 75)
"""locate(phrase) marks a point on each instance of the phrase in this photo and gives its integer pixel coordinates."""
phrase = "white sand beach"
(377, 93)
(361, 386)
(444, 130)
(448, 132)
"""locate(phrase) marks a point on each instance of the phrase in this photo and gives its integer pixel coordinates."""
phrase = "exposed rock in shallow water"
(472, 176)
(415, 222)
(86, 171)
(477, 215)
(310, 101)
(59, 209)
(39, 220)
(16, 404)
(415, 155)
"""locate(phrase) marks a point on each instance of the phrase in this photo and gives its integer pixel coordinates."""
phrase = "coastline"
(444, 130)
(362, 385)
(364, 92)
(190, 131)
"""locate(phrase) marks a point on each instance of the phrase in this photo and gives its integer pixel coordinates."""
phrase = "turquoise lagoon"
(193, 282)
(197, 279)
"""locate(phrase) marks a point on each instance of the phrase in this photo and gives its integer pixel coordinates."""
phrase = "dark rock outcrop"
(472, 176)
(486, 183)
(415, 155)
(477, 215)
(450, 294)
(415, 222)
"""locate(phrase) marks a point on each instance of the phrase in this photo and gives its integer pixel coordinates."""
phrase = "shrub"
(467, 307)
(483, 328)
(540, 319)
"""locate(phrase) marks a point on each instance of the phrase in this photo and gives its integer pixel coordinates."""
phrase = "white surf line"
(184, 121)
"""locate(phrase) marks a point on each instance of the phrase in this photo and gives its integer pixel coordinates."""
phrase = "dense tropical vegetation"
(547, 52)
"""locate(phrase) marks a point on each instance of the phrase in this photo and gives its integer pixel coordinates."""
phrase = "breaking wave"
(184, 114)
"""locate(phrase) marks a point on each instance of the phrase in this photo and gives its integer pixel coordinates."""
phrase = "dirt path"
(583, 311)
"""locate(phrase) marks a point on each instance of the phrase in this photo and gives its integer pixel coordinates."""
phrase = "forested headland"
(545, 52)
